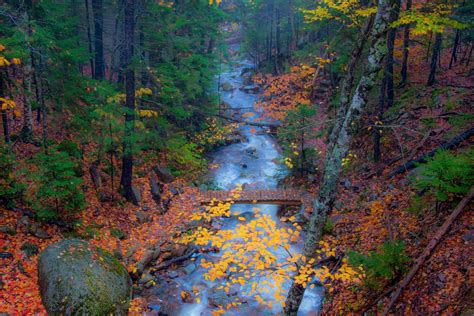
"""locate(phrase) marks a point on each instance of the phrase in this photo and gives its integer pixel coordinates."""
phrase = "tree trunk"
(277, 41)
(434, 59)
(452, 143)
(392, 33)
(387, 90)
(98, 11)
(378, 117)
(27, 130)
(348, 82)
(127, 159)
(406, 44)
(455, 48)
(41, 101)
(291, 22)
(323, 203)
(6, 129)
(89, 37)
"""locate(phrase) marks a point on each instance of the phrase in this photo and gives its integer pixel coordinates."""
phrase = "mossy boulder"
(77, 278)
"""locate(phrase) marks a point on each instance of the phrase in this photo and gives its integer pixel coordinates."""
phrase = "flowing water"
(253, 164)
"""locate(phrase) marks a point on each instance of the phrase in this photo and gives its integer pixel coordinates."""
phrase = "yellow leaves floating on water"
(248, 256)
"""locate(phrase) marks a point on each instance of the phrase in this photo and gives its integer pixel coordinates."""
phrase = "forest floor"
(373, 207)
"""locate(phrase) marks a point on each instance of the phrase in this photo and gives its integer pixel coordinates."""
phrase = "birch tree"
(323, 203)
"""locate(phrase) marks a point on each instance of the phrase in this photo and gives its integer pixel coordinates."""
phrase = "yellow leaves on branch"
(431, 17)
(5, 62)
(349, 12)
(214, 133)
(119, 98)
(143, 91)
(147, 113)
(309, 271)
(288, 162)
(249, 256)
(7, 104)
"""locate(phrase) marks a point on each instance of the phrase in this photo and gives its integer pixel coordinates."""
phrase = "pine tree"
(58, 193)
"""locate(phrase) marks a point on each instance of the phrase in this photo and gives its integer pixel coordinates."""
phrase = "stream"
(253, 164)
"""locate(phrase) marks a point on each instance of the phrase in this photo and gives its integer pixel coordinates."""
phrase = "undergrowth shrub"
(381, 266)
(446, 175)
(58, 193)
(11, 190)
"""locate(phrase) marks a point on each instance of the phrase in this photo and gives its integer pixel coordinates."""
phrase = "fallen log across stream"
(258, 124)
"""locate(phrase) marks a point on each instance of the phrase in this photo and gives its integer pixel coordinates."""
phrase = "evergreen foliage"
(58, 193)
(11, 190)
(294, 135)
(383, 265)
(446, 174)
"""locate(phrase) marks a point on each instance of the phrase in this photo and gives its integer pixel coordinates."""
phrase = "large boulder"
(76, 278)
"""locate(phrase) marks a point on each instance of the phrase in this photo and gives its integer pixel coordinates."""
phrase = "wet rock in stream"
(219, 297)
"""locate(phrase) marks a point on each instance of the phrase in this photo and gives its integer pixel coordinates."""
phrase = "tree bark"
(348, 82)
(333, 165)
(378, 117)
(127, 159)
(89, 37)
(27, 130)
(98, 11)
(392, 33)
(406, 52)
(455, 48)
(291, 22)
(387, 90)
(434, 59)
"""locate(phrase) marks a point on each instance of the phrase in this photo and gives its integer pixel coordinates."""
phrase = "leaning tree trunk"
(98, 11)
(348, 82)
(127, 159)
(406, 44)
(333, 166)
(434, 59)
